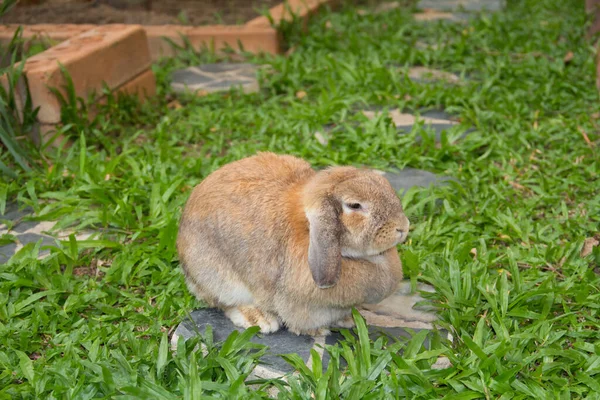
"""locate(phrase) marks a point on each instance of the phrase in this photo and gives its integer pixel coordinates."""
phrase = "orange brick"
(301, 8)
(49, 34)
(143, 85)
(110, 54)
(253, 39)
(56, 32)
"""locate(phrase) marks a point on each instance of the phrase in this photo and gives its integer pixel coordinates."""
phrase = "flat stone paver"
(392, 318)
(468, 5)
(437, 121)
(430, 75)
(421, 45)
(435, 10)
(208, 78)
(404, 179)
(434, 15)
(27, 231)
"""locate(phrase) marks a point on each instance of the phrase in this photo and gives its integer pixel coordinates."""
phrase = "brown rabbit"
(269, 240)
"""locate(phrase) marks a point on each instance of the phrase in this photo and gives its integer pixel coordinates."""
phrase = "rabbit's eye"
(354, 206)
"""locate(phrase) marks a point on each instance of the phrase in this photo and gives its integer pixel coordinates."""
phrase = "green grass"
(93, 319)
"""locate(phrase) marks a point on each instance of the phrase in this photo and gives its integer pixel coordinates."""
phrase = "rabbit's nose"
(401, 233)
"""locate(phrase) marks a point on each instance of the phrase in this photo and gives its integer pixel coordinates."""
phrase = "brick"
(47, 33)
(301, 8)
(110, 54)
(43, 133)
(253, 39)
(592, 7)
(143, 85)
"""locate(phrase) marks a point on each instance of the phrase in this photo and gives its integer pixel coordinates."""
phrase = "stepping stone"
(468, 5)
(430, 75)
(432, 15)
(27, 231)
(438, 121)
(209, 78)
(392, 317)
(428, 46)
(386, 6)
(404, 179)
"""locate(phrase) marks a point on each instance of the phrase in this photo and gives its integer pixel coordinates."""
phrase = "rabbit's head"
(352, 213)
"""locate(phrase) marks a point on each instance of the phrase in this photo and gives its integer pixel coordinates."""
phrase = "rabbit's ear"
(324, 249)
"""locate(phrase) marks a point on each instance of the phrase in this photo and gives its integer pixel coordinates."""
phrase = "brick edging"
(303, 9)
(254, 39)
(257, 35)
(79, 47)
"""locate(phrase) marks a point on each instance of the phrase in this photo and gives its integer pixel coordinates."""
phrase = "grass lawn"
(502, 249)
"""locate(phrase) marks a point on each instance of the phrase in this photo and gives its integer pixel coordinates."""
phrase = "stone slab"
(7, 251)
(395, 317)
(26, 231)
(208, 78)
(468, 5)
(404, 179)
(429, 15)
(436, 121)
(431, 75)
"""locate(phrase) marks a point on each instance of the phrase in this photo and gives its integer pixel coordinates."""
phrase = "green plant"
(500, 244)
(17, 115)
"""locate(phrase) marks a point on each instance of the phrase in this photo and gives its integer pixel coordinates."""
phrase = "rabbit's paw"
(247, 316)
(347, 322)
(311, 332)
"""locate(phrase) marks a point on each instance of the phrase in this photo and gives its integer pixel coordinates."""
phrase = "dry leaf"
(107, 177)
(517, 186)
(174, 104)
(362, 12)
(588, 246)
(237, 57)
(300, 94)
(290, 51)
(321, 139)
(473, 252)
(568, 57)
(585, 137)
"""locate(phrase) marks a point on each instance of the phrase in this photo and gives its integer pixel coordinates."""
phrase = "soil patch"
(145, 12)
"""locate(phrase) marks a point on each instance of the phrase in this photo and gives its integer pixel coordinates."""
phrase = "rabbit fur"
(270, 241)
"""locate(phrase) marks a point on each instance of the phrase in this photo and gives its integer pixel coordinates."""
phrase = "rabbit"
(272, 242)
